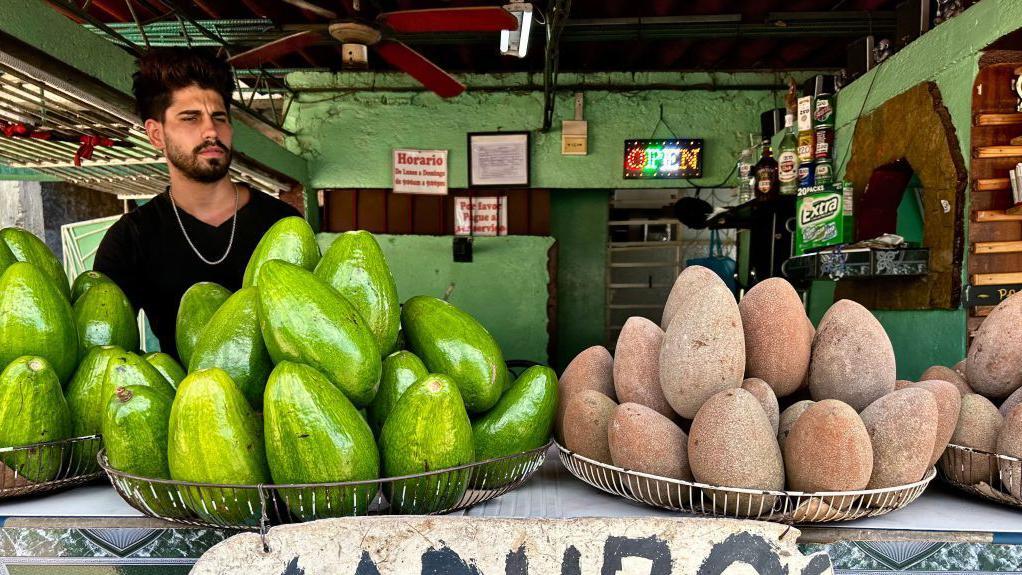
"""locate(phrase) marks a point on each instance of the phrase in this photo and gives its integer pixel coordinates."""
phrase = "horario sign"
(420, 172)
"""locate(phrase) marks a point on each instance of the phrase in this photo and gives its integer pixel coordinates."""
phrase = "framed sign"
(663, 159)
(480, 216)
(420, 172)
(498, 159)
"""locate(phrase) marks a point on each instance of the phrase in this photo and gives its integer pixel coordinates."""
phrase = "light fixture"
(516, 42)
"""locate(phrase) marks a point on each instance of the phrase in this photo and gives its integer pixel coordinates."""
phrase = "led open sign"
(657, 159)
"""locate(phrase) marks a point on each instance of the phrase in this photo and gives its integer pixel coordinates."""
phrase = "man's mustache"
(216, 144)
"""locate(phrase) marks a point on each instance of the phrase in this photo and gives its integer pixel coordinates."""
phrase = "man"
(204, 227)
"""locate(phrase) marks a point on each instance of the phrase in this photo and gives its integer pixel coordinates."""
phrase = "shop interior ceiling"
(612, 35)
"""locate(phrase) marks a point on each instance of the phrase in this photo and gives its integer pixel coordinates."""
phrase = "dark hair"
(161, 71)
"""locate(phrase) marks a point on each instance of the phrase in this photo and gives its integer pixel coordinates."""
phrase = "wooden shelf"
(997, 247)
(997, 279)
(991, 184)
(987, 152)
(997, 119)
(984, 216)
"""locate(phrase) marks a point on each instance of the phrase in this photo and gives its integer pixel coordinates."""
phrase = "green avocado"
(292, 240)
(400, 370)
(198, 304)
(32, 410)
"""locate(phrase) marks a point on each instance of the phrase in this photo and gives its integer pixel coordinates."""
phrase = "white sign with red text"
(420, 172)
(485, 216)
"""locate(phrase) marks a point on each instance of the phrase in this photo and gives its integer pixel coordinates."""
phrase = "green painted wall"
(579, 222)
(949, 56)
(504, 287)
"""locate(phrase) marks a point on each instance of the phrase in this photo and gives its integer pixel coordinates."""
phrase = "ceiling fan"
(379, 35)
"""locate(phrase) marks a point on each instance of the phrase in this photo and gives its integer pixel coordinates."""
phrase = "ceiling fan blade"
(417, 66)
(310, 7)
(476, 19)
(275, 49)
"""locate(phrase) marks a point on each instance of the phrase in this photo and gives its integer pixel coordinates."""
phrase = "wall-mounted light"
(516, 42)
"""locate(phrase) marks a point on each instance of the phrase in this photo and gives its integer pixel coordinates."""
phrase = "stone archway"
(916, 127)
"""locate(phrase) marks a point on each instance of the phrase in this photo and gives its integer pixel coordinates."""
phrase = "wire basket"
(257, 507)
(733, 502)
(48, 466)
(990, 475)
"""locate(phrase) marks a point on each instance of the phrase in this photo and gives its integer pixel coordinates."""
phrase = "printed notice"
(499, 159)
(480, 216)
(420, 172)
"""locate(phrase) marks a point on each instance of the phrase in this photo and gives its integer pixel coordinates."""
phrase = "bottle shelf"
(985, 216)
(997, 247)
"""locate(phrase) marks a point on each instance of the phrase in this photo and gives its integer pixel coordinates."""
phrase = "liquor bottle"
(787, 159)
(745, 176)
(767, 184)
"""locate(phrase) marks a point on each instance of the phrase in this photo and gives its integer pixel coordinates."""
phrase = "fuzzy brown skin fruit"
(777, 343)
(941, 373)
(586, 420)
(828, 449)
(704, 348)
(902, 384)
(960, 368)
(1010, 403)
(853, 360)
(689, 282)
(592, 368)
(637, 365)
(1009, 443)
(949, 405)
(643, 440)
(902, 428)
(788, 419)
(764, 394)
(732, 444)
(979, 424)
(994, 365)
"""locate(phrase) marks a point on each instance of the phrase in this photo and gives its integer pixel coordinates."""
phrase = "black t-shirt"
(149, 258)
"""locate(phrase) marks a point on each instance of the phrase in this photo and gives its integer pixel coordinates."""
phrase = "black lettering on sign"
(445, 561)
(747, 548)
(653, 548)
(292, 568)
(366, 565)
(569, 564)
(517, 563)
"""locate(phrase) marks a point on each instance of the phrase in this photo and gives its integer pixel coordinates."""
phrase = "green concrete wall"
(504, 287)
(949, 56)
(579, 224)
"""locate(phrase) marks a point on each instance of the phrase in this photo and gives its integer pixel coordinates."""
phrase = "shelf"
(991, 184)
(860, 263)
(997, 279)
(988, 152)
(985, 216)
(997, 119)
(997, 247)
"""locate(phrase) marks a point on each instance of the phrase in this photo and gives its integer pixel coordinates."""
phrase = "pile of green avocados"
(312, 372)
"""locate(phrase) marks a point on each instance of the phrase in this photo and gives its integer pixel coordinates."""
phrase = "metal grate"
(48, 466)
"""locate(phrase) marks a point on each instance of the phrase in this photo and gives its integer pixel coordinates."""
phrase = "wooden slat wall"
(384, 212)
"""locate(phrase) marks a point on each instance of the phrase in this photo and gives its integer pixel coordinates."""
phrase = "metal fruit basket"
(777, 506)
(48, 466)
(257, 507)
(988, 475)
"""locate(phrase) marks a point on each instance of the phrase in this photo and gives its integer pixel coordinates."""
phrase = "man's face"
(195, 134)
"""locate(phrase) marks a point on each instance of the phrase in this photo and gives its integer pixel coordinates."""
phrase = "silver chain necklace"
(234, 226)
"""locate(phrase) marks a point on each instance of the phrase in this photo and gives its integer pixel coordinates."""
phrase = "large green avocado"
(28, 248)
(232, 341)
(304, 320)
(428, 430)
(400, 370)
(86, 281)
(86, 401)
(290, 239)
(7, 257)
(452, 342)
(355, 266)
(169, 368)
(315, 435)
(215, 437)
(32, 410)
(35, 319)
(127, 369)
(134, 424)
(522, 420)
(104, 316)
(198, 304)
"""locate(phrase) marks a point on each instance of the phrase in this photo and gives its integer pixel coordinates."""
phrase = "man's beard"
(205, 170)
